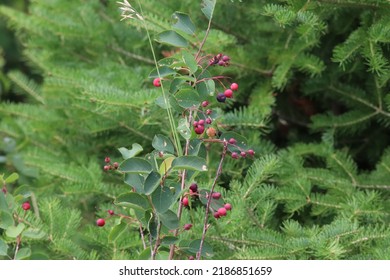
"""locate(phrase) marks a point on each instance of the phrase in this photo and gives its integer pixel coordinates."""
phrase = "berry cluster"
(110, 166)
(220, 60)
(228, 93)
(242, 153)
(101, 222)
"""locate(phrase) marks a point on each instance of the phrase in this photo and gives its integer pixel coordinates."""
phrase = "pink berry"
(100, 222)
(185, 201)
(115, 165)
(232, 141)
(234, 86)
(216, 215)
(228, 206)
(222, 211)
(107, 160)
(243, 154)
(228, 93)
(225, 58)
(221, 63)
(201, 122)
(251, 152)
(157, 82)
(199, 129)
(195, 123)
(235, 155)
(205, 103)
(208, 112)
(106, 167)
(191, 258)
(111, 212)
(216, 195)
(26, 206)
(187, 226)
(209, 121)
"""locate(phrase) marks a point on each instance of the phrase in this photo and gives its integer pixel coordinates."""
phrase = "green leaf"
(3, 248)
(207, 250)
(135, 150)
(190, 163)
(164, 72)
(208, 8)
(133, 200)
(190, 61)
(163, 144)
(183, 22)
(169, 240)
(23, 254)
(206, 88)
(169, 219)
(136, 165)
(166, 165)
(162, 199)
(14, 231)
(6, 219)
(12, 178)
(184, 128)
(172, 38)
(152, 182)
(136, 181)
(187, 98)
(117, 231)
(34, 233)
(3, 202)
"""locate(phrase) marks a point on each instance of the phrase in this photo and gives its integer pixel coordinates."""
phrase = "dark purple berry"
(187, 226)
(194, 187)
(221, 97)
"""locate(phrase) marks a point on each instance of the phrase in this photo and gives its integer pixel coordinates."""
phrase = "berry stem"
(206, 216)
(204, 39)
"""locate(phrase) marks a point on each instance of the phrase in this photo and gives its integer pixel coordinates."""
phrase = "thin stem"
(204, 39)
(157, 244)
(169, 111)
(142, 235)
(206, 216)
(183, 181)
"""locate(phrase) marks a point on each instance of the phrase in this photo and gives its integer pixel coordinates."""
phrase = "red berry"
(199, 129)
(205, 103)
(251, 152)
(209, 121)
(208, 112)
(216, 215)
(216, 195)
(116, 165)
(235, 155)
(191, 258)
(234, 86)
(195, 123)
(107, 160)
(194, 187)
(201, 122)
(228, 93)
(157, 82)
(111, 212)
(100, 222)
(187, 226)
(222, 211)
(243, 154)
(221, 63)
(106, 167)
(232, 141)
(228, 206)
(26, 206)
(185, 201)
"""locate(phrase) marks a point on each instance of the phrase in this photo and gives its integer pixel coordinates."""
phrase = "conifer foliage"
(92, 159)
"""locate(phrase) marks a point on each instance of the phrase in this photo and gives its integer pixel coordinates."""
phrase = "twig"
(206, 216)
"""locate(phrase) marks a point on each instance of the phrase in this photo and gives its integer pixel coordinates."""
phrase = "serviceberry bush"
(176, 176)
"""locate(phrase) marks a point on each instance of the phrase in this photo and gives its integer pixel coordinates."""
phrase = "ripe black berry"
(221, 97)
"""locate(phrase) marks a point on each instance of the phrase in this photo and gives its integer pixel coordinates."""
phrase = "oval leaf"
(133, 200)
(169, 219)
(136, 181)
(208, 8)
(184, 128)
(166, 165)
(152, 182)
(6, 219)
(190, 163)
(117, 231)
(23, 254)
(162, 199)
(207, 250)
(136, 165)
(14, 231)
(135, 150)
(164, 72)
(187, 98)
(172, 38)
(12, 178)
(34, 233)
(183, 22)
(3, 248)
(190, 61)
(163, 144)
